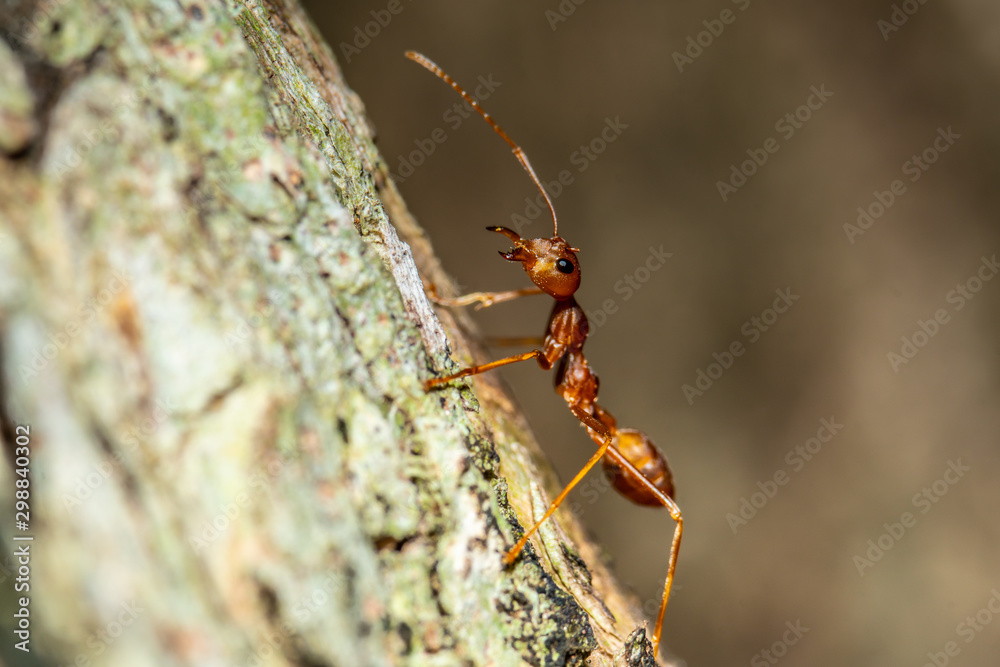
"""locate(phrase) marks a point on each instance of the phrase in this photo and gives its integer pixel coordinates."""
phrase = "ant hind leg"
(615, 455)
(512, 554)
(675, 546)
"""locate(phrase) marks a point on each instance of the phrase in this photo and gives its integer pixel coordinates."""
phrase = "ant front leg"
(550, 353)
(482, 299)
(476, 370)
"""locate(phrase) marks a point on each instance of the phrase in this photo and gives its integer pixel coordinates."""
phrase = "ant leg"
(592, 423)
(516, 549)
(482, 299)
(589, 421)
(476, 370)
(675, 514)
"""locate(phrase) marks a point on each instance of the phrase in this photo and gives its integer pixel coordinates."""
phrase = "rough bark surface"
(217, 339)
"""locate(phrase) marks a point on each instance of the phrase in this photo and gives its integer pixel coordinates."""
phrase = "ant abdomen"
(643, 454)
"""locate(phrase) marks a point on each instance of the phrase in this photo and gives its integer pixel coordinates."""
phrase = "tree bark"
(213, 342)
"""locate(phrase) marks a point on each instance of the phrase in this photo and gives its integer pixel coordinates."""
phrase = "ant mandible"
(636, 468)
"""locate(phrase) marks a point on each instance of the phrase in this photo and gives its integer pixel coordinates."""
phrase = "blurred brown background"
(783, 229)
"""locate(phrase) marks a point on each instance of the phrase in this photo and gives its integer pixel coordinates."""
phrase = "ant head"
(550, 263)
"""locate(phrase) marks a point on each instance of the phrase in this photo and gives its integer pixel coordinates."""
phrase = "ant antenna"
(427, 64)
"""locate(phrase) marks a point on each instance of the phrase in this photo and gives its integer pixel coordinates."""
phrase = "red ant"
(636, 468)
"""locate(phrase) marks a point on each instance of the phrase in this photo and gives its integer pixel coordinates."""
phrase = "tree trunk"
(213, 341)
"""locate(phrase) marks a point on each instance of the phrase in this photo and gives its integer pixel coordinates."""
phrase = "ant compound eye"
(564, 266)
